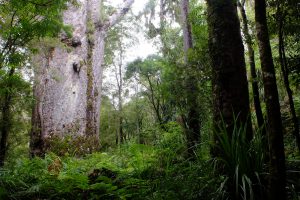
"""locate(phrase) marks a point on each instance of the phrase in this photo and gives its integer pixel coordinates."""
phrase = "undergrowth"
(147, 172)
(132, 171)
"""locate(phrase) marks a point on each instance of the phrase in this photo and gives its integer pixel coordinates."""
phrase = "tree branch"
(115, 18)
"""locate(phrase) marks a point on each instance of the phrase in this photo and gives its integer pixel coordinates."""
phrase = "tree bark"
(119, 79)
(251, 57)
(68, 79)
(277, 178)
(193, 116)
(230, 86)
(285, 72)
(6, 119)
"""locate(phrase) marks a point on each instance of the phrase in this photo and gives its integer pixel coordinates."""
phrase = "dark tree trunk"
(37, 144)
(277, 178)
(285, 72)
(5, 126)
(193, 116)
(121, 132)
(230, 86)
(251, 57)
(6, 120)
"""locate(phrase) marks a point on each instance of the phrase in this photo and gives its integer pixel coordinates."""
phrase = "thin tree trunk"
(120, 91)
(162, 21)
(285, 73)
(230, 87)
(255, 88)
(6, 120)
(277, 178)
(193, 116)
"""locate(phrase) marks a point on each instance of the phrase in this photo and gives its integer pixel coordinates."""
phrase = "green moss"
(71, 144)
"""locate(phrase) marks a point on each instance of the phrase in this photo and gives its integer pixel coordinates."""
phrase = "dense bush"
(133, 171)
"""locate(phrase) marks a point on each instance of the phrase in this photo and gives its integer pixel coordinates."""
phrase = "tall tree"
(120, 85)
(148, 73)
(251, 57)
(68, 79)
(21, 23)
(192, 125)
(277, 178)
(281, 18)
(229, 81)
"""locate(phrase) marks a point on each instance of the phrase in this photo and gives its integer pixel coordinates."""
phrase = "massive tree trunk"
(255, 88)
(68, 80)
(277, 178)
(193, 116)
(285, 70)
(230, 86)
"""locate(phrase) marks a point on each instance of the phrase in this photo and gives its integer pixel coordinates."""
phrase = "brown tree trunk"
(6, 120)
(229, 82)
(285, 72)
(255, 88)
(192, 127)
(277, 178)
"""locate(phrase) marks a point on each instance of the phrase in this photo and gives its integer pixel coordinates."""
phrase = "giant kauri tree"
(22, 22)
(68, 79)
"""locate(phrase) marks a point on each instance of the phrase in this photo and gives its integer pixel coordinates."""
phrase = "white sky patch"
(143, 47)
(137, 6)
(140, 49)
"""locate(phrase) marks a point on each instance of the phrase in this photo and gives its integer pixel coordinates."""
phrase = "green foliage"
(22, 22)
(133, 171)
(72, 145)
(242, 161)
(67, 178)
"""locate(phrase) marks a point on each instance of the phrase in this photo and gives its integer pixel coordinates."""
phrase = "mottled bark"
(68, 79)
(192, 127)
(251, 57)
(277, 177)
(230, 86)
(95, 55)
(285, 71)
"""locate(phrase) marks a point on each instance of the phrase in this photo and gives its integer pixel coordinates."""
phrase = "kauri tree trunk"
(68, 80)
(277, 177)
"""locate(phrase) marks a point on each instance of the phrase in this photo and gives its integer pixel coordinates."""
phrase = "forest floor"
(131, 171)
